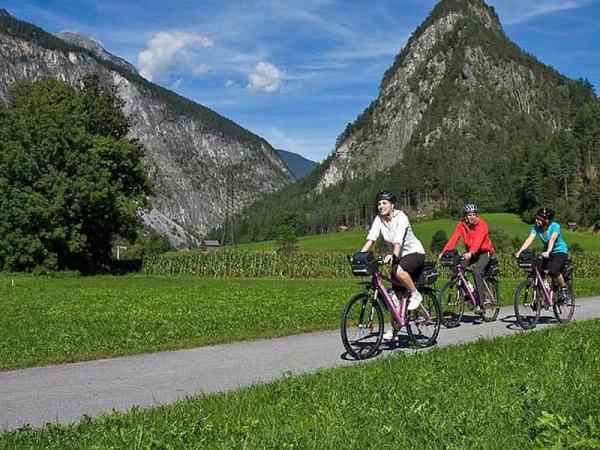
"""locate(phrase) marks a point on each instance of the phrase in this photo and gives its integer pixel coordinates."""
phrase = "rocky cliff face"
(198, 160)
(456, 68)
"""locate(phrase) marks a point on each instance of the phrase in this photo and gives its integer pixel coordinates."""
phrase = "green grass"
(351, 240)
(529, 390)
(46, 321)
(69, 319)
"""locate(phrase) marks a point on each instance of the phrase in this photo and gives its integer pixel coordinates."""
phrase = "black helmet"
(545, 213)
(386, 195)
(470, 208)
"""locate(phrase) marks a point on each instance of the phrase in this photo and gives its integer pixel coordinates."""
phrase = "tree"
(69, 178)
(438, 240)
(286, 239)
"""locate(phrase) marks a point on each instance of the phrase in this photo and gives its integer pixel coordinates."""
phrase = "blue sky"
(296, 72)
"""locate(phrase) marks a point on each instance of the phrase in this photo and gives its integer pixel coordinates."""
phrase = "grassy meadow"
(54, 320)
(351, 240)
(529, 390)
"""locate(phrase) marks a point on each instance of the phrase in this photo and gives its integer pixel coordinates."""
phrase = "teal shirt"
(560, 245)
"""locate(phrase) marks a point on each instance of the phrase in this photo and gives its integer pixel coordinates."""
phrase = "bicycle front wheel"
(424, 322)
(452, 304)
(491, 301)
(362, 326)
(564, 305)
(527, 305)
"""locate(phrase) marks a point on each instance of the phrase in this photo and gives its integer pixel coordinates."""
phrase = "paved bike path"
(64, 393)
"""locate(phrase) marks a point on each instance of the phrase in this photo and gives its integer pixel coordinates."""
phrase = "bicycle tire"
(491, 305)
(424, 323)
(362, 325)
(527, 304)
(452, 304)
(564, 308)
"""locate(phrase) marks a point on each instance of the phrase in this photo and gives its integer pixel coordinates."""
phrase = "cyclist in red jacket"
(474, 231)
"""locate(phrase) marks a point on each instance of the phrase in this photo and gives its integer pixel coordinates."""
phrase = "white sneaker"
(414, 301)
(388, 335)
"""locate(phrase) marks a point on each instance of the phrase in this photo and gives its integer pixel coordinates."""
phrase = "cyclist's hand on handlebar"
(467, 256)
(545, 254)
(388, 258)
(516, 254)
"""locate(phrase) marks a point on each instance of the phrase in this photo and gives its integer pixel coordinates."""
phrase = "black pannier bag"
(449, 258)
(363, 264)
(567, 270)
(492, 269)
(526, 259)
(428, 275)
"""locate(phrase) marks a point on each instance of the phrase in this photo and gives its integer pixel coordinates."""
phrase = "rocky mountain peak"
(4, 13)
(95, 47)
(457, 69)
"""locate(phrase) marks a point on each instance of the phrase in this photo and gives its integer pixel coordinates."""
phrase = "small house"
(209, 246)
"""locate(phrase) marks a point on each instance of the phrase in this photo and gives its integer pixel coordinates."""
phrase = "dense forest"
(513, 168)
(508, 158)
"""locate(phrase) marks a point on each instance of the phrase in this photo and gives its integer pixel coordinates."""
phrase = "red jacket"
(476, 237)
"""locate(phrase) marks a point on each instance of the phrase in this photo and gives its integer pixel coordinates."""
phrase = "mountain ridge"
(193, 154)
(296, 163)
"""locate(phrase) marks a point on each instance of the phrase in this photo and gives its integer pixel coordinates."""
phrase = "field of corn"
(529, 390)
(269, 264)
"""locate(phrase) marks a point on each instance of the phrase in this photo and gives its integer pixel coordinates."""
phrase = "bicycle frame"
(399, 314)
(538, 282)
(459, 274)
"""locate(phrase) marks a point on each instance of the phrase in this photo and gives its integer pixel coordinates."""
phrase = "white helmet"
(470, 208)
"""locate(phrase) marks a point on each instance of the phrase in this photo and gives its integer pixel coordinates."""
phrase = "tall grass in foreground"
(530, 390)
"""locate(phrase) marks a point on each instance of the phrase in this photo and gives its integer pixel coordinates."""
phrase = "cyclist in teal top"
(556, 251)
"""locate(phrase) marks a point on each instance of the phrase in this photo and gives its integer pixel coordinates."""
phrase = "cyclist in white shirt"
(408, 254)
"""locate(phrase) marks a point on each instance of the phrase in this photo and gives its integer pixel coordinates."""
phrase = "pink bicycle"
(362, 321)
(535, 293)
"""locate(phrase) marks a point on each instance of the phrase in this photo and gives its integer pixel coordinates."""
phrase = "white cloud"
(173, 53)
(265, 77)
(518, 11)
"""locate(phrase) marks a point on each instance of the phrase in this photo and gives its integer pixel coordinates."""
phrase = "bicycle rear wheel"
(565, 305)
(527, 304)
(491, 301)
(362, 326)
(424, 322)
(452, 304)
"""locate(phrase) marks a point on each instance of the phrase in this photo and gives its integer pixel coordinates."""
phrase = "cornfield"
(260, 264)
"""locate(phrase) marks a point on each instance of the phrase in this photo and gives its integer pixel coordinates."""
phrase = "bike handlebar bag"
(449, 258)
(363, 264)
(525, 259)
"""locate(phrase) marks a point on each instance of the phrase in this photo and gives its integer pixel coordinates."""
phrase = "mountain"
(462, 115)
(458, 72)
(92, 45)
(298, 164)
(204, 166)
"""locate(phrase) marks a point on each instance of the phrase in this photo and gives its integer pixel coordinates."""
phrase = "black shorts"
(555, 263)
(413, 264)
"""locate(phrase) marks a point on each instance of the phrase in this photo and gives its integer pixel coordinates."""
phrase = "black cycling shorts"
(413, 264)
(555, 263)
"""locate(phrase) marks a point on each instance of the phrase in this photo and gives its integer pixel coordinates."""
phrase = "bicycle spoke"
(362, 326)
(527, 304)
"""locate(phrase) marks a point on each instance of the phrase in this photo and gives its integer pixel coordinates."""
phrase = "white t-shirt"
(393, 233)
